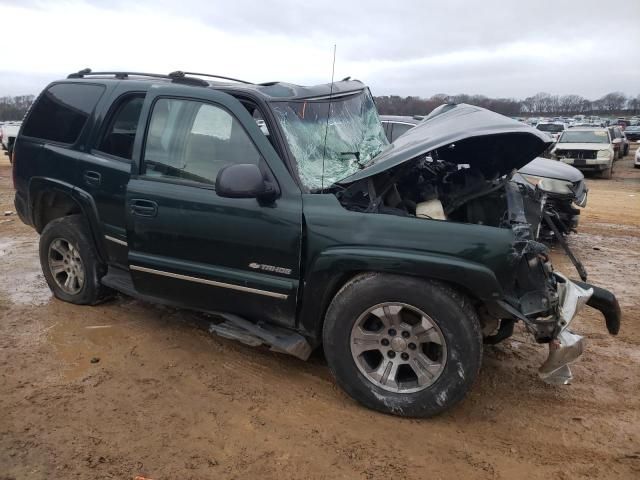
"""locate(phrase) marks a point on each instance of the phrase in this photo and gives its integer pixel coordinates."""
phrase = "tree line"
(614, 103)
(15, 108)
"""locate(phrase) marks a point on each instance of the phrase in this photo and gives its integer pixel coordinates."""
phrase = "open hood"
(463, 134)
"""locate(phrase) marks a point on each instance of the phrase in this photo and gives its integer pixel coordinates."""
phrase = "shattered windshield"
(354, 135)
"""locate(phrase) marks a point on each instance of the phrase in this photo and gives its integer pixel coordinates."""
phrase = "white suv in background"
(553, 129)
(588, 149)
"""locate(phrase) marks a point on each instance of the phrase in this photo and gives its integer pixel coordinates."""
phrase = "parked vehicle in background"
(633, 133)
(636, 162)
(591, 123)
(564, 187)
(588, 149)
(553, 129)
(399, 259)
(8, 135)
(563, 184)
(625, 143)
(397, 125)
(620, 143)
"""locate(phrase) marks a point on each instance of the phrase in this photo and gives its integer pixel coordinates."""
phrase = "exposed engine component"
(430, 209)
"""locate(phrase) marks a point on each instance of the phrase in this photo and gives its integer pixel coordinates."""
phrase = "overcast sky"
(407, 47)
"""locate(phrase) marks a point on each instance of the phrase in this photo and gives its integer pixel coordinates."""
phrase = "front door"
(187, 244)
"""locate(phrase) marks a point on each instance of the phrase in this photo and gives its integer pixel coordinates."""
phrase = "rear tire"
(449, 344)
(70, 263)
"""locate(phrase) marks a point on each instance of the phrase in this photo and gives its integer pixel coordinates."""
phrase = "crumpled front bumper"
(606, 302)
(568, 346)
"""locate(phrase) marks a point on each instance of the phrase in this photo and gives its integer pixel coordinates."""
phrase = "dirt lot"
(169, 401)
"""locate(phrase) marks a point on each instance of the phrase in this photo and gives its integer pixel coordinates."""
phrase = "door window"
(191, 140)
(121, 129)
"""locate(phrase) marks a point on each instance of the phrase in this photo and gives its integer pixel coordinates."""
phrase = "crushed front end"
(547, 301)
(459, 165)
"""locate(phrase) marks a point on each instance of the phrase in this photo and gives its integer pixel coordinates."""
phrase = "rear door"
(187, 244)
(105, 168)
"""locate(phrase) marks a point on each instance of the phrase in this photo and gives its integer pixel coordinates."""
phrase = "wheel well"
(340, 282)
(50, 205)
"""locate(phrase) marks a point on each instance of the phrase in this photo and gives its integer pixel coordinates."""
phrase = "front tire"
(70, 263)
(402, 345)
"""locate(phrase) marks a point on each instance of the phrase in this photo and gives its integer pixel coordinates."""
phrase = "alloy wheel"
(66, 266)
(398, 347)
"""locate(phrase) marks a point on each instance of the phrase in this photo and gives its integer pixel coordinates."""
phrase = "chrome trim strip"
(116, 240)
(204, 281)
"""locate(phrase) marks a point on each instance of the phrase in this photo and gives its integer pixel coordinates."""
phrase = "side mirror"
(244, 180)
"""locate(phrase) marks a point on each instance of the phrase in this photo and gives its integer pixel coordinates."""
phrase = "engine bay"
(440, 190)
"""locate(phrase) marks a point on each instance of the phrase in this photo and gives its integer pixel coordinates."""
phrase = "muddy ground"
(167, 400)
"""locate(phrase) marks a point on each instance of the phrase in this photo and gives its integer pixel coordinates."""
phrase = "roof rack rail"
(179, 73)
(175, 77)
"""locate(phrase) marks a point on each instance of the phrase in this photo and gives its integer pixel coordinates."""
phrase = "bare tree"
(15, 108)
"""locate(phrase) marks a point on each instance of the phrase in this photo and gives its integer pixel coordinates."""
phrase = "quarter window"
(192, 141)
(62, 111)
(121, 129)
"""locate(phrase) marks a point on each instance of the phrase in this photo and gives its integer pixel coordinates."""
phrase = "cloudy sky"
(408, 47)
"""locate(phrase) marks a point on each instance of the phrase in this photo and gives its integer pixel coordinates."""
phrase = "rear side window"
(62, 111)
(120, 132)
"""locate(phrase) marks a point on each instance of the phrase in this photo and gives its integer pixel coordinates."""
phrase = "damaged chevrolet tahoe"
(284, 212)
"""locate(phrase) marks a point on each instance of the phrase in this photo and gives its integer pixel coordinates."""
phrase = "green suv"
(283, 211)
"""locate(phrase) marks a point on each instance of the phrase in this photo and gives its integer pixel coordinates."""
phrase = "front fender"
(332, 267)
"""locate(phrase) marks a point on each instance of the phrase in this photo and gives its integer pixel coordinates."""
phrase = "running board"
(249, 333)
(233, 327)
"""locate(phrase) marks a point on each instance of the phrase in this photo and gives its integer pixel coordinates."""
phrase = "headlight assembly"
(550, 185)
(555, 186)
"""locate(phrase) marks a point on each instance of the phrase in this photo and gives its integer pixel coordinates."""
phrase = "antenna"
(326, 127)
